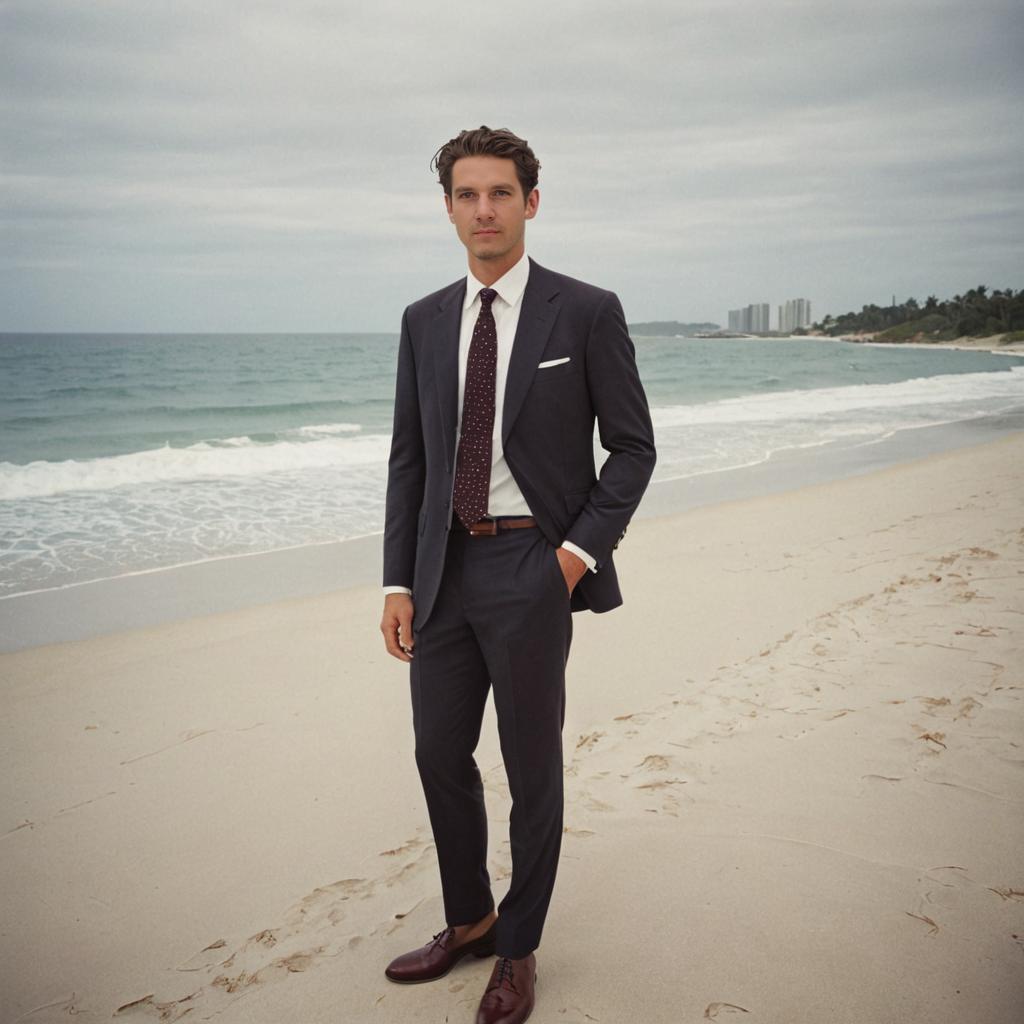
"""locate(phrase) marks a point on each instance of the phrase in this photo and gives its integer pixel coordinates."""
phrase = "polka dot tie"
(473, 460)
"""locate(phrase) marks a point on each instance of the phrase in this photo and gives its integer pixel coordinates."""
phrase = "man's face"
(488, 208)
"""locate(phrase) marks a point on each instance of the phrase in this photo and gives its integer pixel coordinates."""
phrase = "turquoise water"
(89, 396)
(121, 453)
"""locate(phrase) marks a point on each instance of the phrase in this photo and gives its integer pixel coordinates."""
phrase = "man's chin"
(489, 253)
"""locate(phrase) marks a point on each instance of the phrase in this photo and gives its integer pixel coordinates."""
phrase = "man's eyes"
(497, 192)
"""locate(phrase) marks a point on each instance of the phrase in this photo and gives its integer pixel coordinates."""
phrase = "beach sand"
(794, 787)
(992, 343)
(988, 343)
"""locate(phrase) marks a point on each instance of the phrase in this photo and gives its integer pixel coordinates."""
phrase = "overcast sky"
(204, 165)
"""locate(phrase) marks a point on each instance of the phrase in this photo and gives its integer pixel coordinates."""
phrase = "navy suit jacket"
(548, 420)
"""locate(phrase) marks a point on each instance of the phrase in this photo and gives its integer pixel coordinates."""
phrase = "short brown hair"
(484, 141)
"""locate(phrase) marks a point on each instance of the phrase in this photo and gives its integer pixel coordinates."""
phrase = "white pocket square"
(553, 362)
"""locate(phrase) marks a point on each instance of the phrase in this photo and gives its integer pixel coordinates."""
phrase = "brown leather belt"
(490, 527)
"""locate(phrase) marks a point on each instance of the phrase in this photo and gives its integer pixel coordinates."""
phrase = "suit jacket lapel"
(445, 346)
(536, 318)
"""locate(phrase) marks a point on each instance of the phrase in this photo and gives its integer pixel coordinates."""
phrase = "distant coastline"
(1007, 343)
(988, 343)
(669, 329)
(977, 320)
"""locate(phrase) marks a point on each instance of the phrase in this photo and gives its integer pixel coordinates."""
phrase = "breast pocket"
(558, 371)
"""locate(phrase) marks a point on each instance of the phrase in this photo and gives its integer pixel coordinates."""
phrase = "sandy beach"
(794, 787)
(989, 343)
(993, 343)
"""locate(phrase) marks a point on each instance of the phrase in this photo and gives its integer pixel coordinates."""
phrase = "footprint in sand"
(308, 935)
(944, 891)
(715, 1010)
(943, 888)
(933, 740)
(937, 707)
(1006, 893)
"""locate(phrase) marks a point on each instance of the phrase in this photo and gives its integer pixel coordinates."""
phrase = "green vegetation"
(974, 314)
(934, 327)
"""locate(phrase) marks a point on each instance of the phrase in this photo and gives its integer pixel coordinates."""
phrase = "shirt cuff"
(591, 562)
(398, 590)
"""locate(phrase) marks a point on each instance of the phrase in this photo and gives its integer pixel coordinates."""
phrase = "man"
(497, 527)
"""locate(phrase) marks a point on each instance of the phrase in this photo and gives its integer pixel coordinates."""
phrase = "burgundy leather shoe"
(439, 956)
(508, 998)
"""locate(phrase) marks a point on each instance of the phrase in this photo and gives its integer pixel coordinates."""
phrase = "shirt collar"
(509, 286)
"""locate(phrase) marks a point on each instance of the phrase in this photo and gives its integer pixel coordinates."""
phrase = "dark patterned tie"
(473, 460)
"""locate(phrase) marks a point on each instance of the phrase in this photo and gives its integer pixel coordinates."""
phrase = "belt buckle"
(487, 527)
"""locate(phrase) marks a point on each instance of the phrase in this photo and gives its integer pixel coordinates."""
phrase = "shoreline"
(965, 343)
(230, 582)
(824, 757)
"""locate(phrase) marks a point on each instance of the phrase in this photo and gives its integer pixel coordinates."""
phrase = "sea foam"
(205, 460)
(940, 396)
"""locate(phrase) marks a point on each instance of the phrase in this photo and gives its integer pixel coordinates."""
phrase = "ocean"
(125, 453)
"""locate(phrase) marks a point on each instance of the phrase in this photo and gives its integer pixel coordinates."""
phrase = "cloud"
(695, 156)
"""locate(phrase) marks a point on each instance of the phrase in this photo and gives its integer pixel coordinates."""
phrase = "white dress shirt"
(505, 498)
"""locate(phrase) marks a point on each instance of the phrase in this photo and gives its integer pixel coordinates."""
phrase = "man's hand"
(396, 625)
(573, 567)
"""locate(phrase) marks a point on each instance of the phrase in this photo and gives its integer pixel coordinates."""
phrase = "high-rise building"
(750, 319)
(793, 314)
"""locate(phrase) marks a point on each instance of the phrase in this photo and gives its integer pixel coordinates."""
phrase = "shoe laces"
(441, 938)
(504, 973)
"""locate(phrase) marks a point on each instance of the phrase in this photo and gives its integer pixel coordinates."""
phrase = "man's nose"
(484, 209)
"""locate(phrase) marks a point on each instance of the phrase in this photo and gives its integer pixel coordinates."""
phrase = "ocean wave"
(940, 395)
(227, 457)
(319, 429)
(794, 418)
(249, 409)
(92, 390)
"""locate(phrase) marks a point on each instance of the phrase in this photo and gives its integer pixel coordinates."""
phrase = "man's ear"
(448, 206)
(532, 202)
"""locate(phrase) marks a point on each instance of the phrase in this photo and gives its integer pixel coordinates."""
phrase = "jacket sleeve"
(406, 471)
(624, 427)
